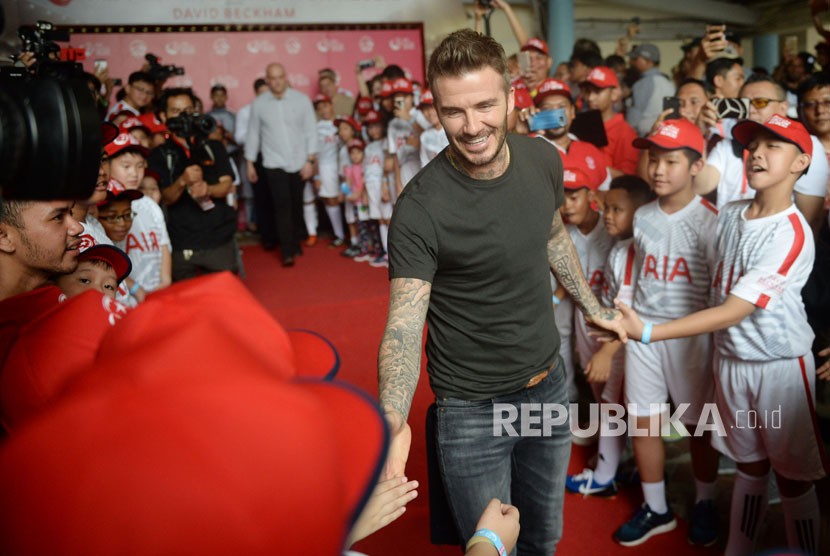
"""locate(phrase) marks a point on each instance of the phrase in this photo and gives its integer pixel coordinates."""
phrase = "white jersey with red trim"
(433, 141)
(592, 249)
(144, 241)
(94, 233)
(733, 185)
(674, 254)
(765, 261)
(409, 158)
(327, 143)
(620, 273)
(373, 158)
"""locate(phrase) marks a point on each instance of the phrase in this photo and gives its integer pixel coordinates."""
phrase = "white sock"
(749, 505)
(655, 495)
(336, 217)
(704, 491)
(610, 450)
(310, 216)
(801, 516)
(384, 236)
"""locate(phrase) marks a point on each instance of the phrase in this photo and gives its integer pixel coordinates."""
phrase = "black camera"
(192, 125)
(50, 129)
(160, 72)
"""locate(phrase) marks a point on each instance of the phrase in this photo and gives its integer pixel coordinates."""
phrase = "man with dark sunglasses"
(725, 165)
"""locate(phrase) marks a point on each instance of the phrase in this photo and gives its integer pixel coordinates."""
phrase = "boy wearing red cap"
(673, 239)
(146, 242)
(765, 253)
(601, 91)
(100, 267)
(326, 180)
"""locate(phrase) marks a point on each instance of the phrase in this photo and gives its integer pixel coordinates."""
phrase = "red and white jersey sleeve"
(674, 256)
(121, 106)
(765, 261)
(620, 273)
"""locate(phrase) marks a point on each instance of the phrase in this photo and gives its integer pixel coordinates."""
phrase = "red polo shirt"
(619, 151)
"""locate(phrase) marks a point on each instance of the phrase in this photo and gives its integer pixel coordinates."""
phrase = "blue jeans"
(527, 471)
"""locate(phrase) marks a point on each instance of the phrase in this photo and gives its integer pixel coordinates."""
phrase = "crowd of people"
(514, 210)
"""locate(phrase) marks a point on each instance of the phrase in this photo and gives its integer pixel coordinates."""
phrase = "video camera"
(160, 72)
(50, 129)
(192, 125)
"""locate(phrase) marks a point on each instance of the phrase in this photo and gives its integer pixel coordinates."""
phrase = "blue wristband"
(493, 538)
(646, 336)
(135, 287)
(556, 300)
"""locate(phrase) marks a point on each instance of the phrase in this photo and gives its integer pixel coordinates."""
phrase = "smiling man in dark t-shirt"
(471, 244)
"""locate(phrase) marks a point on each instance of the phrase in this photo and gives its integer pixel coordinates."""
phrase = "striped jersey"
(674, 253)
(620, 273)
(765, 261)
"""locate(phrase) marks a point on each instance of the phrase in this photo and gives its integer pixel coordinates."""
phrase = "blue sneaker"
(585, 484)
(644, 525)
(703, 524)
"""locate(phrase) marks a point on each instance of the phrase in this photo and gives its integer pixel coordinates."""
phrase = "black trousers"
(286, 196)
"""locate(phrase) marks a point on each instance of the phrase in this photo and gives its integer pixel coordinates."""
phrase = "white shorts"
(329, 182)
(308, 193)
(768, 412)
(348, 212)
(680, 368)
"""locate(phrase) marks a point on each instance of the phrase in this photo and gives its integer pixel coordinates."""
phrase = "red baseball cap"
(349, 120)
(372, 117)
(674, 134)
(152, 123)
(111, 255)
(536, 44)
(551, 86)
(426, 98)
(109, 131)
(34, 377)
(402, 85)
(234, 464)
(386, 89)
(363, 105)
(782, 127)
(320, 97)
(125, 141)
(132, 123)
(117, 192)
(603, 77)
(574, 179)
(521, 95)
(356, 143)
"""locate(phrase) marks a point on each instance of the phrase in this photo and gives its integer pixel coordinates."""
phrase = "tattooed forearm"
(565, 264)
(399, 357)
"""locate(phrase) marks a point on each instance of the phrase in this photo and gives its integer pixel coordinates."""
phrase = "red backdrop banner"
(236, 58)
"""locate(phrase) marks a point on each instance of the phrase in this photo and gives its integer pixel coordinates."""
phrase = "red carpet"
(347, 302)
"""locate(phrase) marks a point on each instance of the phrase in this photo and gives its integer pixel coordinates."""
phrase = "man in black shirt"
(472, 242)
(195, 178)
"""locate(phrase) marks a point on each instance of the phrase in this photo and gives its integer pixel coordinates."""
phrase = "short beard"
(473, 169)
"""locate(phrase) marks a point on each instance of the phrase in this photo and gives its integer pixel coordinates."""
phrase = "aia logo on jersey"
(87, 241)
(679, 269)
(147, 242)
(597, 282)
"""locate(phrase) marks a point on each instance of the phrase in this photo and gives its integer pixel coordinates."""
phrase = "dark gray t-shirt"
(482, 245)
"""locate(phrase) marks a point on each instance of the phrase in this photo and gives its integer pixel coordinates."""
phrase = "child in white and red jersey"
(765, 253)
(606, 362)
(673, 239)
(326, 181)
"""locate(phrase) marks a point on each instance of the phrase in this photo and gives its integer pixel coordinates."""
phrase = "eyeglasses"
(760, 103)
(813, 104)
(128, 217)
(142, 90)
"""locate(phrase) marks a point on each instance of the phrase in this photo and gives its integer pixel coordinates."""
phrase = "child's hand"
(503, 520)
(387, 503)
(630, 320)
(823, 372)
(598, 368)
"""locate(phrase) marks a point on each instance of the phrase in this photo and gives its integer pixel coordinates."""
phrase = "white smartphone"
(100, 66)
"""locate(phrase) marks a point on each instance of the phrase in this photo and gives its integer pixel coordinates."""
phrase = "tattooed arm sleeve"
(399, 357)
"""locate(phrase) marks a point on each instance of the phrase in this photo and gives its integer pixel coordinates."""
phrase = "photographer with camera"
(195, 176)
